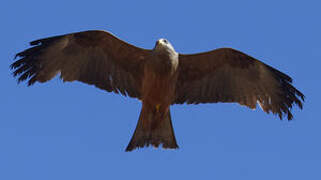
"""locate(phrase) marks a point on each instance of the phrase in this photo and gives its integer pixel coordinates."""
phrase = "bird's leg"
(157, 107)
(158, 116)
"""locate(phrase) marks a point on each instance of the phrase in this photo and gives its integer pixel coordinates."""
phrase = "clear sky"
(74, 131)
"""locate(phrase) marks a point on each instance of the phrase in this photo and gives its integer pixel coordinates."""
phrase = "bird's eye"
(165, 41)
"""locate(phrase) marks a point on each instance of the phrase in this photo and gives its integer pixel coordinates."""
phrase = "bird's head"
(164, 44)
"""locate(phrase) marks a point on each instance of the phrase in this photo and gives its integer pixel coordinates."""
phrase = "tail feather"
(154, 130)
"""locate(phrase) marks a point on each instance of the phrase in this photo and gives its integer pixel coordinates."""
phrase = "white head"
(168, 55)
(163, 44)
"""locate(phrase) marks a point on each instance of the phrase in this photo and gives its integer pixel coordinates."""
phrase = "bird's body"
(161, 67)
(159, 78)
(158, 89)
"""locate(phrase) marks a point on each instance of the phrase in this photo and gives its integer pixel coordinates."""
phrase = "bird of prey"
(159, 78)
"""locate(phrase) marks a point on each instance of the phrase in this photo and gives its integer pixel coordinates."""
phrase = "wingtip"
(290, 116)
(15, 56)
(11, 66)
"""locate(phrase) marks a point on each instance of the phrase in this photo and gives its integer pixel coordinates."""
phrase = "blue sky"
(75, 131)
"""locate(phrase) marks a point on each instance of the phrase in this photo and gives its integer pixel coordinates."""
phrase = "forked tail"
(153, 129)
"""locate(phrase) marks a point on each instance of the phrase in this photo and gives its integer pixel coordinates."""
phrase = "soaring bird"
(159, 78)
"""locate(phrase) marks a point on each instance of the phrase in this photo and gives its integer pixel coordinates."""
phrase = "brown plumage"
(159, 78)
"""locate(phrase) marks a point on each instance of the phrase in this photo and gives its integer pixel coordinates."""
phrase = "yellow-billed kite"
(159, 78)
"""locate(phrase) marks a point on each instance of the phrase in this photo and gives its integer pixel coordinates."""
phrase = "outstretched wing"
(227, 75)
(93, 57)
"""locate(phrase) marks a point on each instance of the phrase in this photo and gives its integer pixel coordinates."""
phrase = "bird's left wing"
(227, 75)
(93, 57)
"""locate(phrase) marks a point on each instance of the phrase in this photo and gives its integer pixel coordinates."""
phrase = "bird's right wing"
(92, 57)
